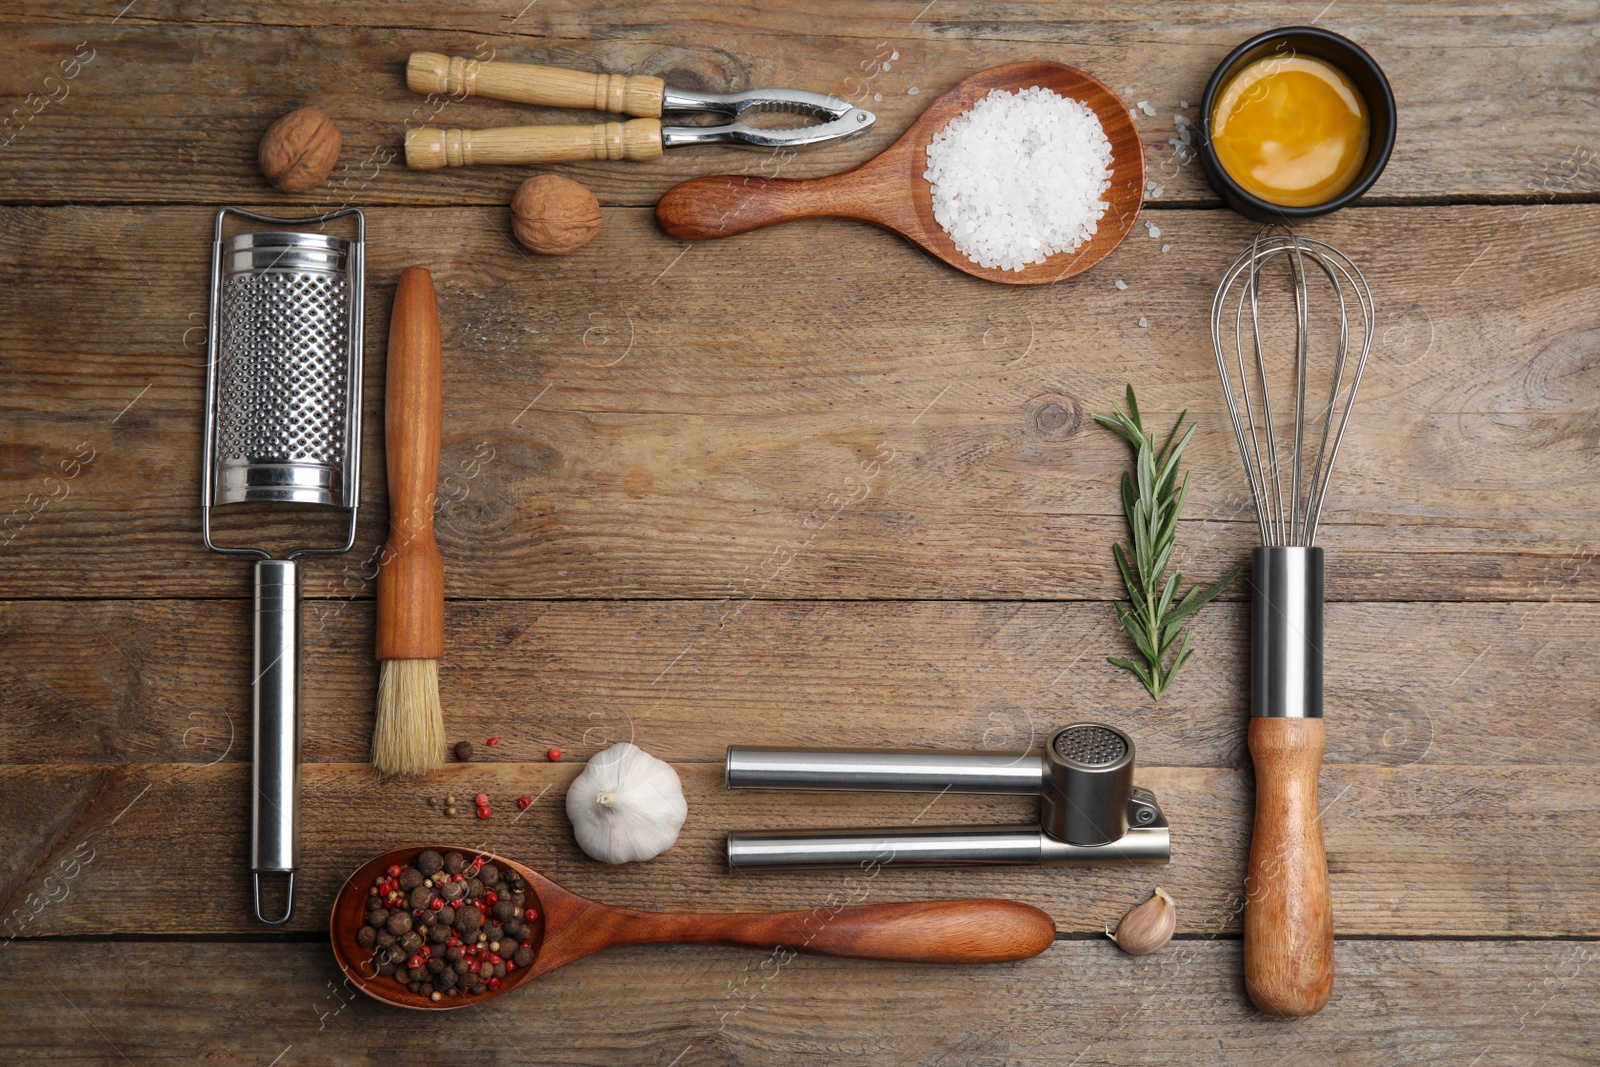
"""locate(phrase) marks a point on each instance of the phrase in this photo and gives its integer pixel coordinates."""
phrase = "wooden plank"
(171, 106)
(1532, 1004)
(1465, 851)
(644, 420)
(162, 681)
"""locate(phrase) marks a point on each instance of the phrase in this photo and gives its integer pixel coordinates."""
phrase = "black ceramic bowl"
(1351, 60)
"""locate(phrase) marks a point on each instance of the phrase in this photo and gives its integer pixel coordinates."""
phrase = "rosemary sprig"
(1152, 499)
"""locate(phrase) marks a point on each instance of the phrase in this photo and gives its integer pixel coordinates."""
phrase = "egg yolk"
(1292, 130)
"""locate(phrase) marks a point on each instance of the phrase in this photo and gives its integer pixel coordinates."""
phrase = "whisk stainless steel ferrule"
(1289, 476)
(282, 426)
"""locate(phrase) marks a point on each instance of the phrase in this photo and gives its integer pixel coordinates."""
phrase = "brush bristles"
(408, 739)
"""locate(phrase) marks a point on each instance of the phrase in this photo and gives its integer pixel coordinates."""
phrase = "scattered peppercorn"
(493, 741)
(464, 751)
(523, 802)
(484, 811)
(450, 811)
(554, 754)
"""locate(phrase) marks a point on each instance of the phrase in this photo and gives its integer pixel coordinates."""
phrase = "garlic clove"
(1149, 926)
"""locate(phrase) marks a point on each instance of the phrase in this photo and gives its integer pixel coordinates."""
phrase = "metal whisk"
(1288, 915)
(1292, 520)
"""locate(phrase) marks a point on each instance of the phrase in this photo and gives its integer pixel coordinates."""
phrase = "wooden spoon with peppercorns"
(561, 927)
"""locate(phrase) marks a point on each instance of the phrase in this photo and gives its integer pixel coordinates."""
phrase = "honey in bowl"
(1292, 130)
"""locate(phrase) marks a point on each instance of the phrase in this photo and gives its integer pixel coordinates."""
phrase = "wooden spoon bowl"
(890, 191)
(570, 927)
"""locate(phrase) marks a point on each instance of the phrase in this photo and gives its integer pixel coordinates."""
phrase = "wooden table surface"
(663, 523)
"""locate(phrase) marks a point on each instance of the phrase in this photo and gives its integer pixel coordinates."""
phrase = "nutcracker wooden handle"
(411, 571)
(1288, 914)
(526, 83)
(430, 148)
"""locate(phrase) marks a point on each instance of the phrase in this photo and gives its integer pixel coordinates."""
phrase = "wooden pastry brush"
(408, 739)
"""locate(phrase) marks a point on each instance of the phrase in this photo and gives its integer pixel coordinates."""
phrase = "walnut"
(554, 215)
(299, 150)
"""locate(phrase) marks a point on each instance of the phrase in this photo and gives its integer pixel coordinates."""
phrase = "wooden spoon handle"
(721, 205)
(411, 571)
(1288, 914)
(527, 83)
(429, 148)
(946, 931)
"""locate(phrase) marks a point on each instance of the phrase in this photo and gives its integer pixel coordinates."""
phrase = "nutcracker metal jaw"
(1090, 812)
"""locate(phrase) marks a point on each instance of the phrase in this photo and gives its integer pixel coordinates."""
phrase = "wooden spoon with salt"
(890, 191)
(569, 927)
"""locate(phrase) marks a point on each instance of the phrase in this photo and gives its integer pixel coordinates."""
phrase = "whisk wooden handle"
(1288, 914)
(527, 83)
(411, 571)
(429, 148)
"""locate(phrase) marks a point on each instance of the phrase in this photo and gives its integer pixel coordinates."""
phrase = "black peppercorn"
(410, 878)
(398, 923)
(489, 874)
(377, 916)
(366, 937)
(504, 910)
(523, 956)
(420, 896)
(461, 966)
(411, 942)
(464, 751)
(434, 966)
(475, 888)
(468, 920)
(429, 862)
(517, 930)
(454, 862)
(386, 968)
(453, 891)
(447, 915)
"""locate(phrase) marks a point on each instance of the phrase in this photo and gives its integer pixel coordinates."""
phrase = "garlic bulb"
(626, 805)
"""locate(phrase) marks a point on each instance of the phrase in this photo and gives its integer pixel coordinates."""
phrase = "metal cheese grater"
(282, 425)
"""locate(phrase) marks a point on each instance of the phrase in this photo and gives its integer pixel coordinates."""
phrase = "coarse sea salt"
(1020, 176)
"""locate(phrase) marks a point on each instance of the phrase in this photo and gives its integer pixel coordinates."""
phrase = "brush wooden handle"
(943, 931)
(527, 83)
(430, 148)
(411, 571)
(1288, 913)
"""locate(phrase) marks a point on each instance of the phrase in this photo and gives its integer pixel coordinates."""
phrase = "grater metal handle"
(275, 775)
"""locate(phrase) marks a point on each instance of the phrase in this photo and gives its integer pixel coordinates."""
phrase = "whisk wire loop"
(1292, 518)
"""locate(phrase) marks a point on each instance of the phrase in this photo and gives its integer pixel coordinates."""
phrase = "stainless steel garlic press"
(1090, 812)
(455, 77)
(282, 426)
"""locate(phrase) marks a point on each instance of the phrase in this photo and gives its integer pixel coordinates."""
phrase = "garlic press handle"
(275, 764)
(528, 83)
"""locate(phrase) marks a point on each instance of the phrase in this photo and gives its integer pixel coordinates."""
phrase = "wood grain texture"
(891, 190)
(163, 681)
(1288, 912)
(1501, 119)
(1417, 851)
(1530, 1004)
(410, 600)
(907, 432)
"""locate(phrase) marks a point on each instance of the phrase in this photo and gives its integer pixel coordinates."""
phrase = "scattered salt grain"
(886, 68)
(896, 55)
(1184, 104)
(913, 91)
(877, 97)
(1144, 105)
(1019, 177)
(1121, 284)
(1132, 114)
(1155, 231)
(1165, 247)
(1144, 323)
